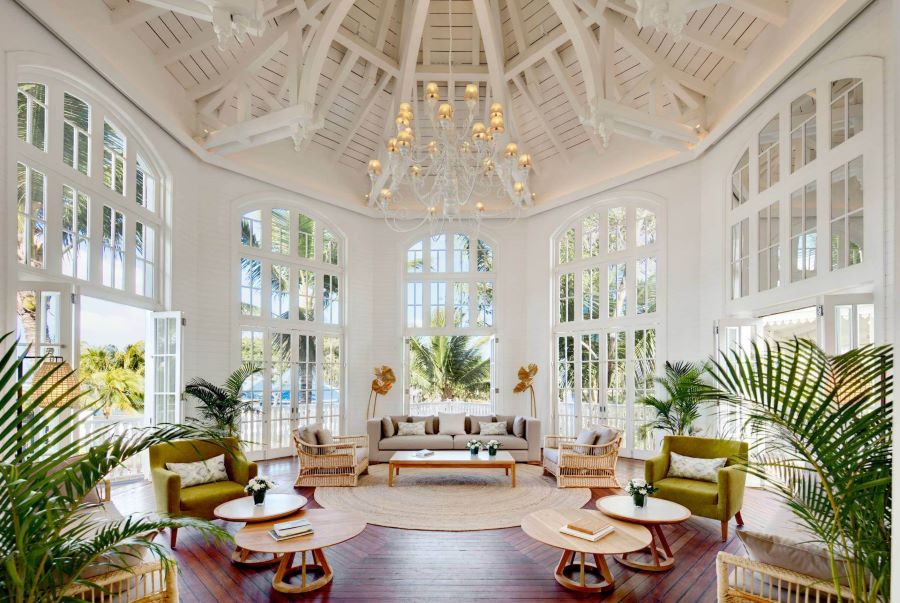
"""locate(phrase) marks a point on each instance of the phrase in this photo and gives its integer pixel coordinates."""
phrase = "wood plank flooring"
(386, 564)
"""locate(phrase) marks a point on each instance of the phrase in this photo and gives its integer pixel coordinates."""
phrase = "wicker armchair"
(742, 580)
(152, 582)
(588, 467)
(338, 464)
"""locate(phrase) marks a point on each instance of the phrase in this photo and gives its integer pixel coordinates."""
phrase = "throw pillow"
(476, 421)
(411, 429)
(492, 429)
(307, 433)
(689, 467)
(586, 438)
(429, 423)
(452, 423)
(519, 427)
(387, 428)
(324, 438)
(790, 553)
(201, 472)
(509, 419)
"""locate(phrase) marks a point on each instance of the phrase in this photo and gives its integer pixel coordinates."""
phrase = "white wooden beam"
(321, 43)
(661, 126)
(361, 113)
(540, 115)
(515, 18)
(565, 83)
(198, 41)
(410, 39)
(381, 29)
(770, 11)
(474, 73)
(134, 13)
(265, 128)
(492, 39)
(585, 47)
(337, 82)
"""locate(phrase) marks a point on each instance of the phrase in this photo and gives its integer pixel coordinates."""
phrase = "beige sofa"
(524, 448)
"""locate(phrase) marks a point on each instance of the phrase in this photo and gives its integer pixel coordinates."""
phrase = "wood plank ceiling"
(640, 82)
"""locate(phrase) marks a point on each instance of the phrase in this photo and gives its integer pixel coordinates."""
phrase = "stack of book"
(291, 529)
(589, 528)
(423, 453)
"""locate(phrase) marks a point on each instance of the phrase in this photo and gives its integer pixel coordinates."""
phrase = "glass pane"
(331, 245)
(485, 257)
(485, 300)
(306, 294)
(281, 231)
(331, 300)
(590, 290)
(646, 226)
(855, 111)
(414, 304)
(865, 324)
(251, 229)
(616, 229)
(855, 185)
(838, 188)
(251, 287)
(415, 258)
(567, 246)
(618, 299)
(567, 297)
(280, 294)
(460, 253)
(590, 236)
(438, 253)
(438, 304)
(306, 237)
(461, 305)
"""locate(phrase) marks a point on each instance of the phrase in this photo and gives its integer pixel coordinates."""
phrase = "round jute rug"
(451, 500)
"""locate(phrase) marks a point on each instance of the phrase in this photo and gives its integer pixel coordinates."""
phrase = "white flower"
(639, 483)
(259, 484)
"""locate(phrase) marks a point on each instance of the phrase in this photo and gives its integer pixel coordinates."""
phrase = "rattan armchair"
(338, 464)
(741, 580)
(582, 465)
(152, 582)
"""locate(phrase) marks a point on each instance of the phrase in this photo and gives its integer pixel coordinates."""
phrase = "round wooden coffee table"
(246, 511)
(657, 556)
(330, 527)
(583, 576)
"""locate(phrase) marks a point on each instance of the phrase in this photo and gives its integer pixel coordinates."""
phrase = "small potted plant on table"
(257, 487)
(474, 446)
(493, 446)
(639, 491)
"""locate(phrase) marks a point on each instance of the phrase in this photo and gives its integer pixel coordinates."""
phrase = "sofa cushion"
(387, 428)
(307, 433)
(688, 492)
(552, 455)
(588, 437)
(519, 427)
(429, 423)
(492, 428)
(433, 442)
(695, 468)
(199, 501)
(510, 421)
(411, 429)
(324, 438)
(473, 426)
(508, 442)
(200, 472)
(397, 419)
(452, 423)
(605, 434)
(789, 552)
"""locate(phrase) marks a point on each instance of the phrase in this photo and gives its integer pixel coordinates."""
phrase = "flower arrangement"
(526, 383)
(474, 446)
(382, 383)
(493, 446)
(257, 487)
(639, 491)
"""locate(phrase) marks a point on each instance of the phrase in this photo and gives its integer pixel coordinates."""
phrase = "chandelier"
(445, 172)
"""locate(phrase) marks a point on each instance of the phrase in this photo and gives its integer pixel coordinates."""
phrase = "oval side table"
(657, 556)
(245, 510)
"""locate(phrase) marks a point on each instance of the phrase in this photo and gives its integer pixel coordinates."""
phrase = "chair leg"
(724, 530)
(173, 537)
(738, 518)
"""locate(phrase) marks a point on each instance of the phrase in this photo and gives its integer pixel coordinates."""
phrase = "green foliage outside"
(114, 378)
(450, 368)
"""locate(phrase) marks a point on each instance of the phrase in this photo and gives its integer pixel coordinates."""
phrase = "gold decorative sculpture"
(382, 383)
(526, 383)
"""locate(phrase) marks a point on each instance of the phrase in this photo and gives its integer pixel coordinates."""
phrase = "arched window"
(97, 227)
(607, 318)
(449, 321)
(798, 211)
(290, 310)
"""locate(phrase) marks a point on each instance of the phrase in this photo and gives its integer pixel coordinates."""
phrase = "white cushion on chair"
(552, 455)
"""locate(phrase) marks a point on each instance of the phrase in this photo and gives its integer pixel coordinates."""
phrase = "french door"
(45, 319)
(600, 376)
(301, 383)
(162, 373)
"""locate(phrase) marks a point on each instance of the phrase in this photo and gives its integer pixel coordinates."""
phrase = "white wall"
(202, 274)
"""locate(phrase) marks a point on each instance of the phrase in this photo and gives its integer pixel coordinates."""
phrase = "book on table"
(287, 529)
(585, 536)
(279, 538)
(425, 452)
(588, 525)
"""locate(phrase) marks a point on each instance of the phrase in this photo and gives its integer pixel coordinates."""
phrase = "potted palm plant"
(49, 535)
(686, 395)
(222, 406)
(821, 438)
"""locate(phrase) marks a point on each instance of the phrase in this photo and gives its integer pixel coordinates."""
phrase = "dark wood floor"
(386, 564)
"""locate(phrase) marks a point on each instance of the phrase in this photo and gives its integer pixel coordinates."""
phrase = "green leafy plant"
(221, 407)
(450, 367)
(49, 534)
(821, 428)
(686, 395)
(114, 378)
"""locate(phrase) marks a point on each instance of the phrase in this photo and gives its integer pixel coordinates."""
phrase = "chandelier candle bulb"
(385, 195)
(519, 187)
(405, 108)
(432, 147)
(496, 110)
(497, 124)
(511, 151)
(431, 92)
(525, 161)
(471, 95)
(479, 132)
(445, 112)
(374, 167)
(392, 145)
(415, 170)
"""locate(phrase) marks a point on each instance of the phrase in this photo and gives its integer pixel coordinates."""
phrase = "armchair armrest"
(553, 441)
(167, 490)
(655, 468)
(242, 469)
(359, 440)
(595, 450)
(732, 480)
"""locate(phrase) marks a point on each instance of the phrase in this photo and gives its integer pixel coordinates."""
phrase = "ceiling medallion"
(236, 18)
(443, 171)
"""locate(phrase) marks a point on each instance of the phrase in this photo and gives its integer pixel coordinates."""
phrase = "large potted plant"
(49, 535)
(822, 436)
(222, 406)
(687, 393)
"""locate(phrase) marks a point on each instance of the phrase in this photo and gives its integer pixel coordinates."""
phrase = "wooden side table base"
(286, 570)
(661, 557)
(250, 559)
(585, 577)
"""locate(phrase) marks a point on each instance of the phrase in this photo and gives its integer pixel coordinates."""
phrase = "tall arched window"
(450, 324)
(607, 318)
(290, 310)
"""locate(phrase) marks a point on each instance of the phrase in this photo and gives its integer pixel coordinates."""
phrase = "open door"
(163, 363)
(45, 319)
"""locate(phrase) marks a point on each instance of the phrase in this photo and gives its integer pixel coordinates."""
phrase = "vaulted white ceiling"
(580, 78)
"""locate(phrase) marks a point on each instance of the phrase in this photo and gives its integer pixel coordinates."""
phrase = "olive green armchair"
(200, 500)
(722, 500)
